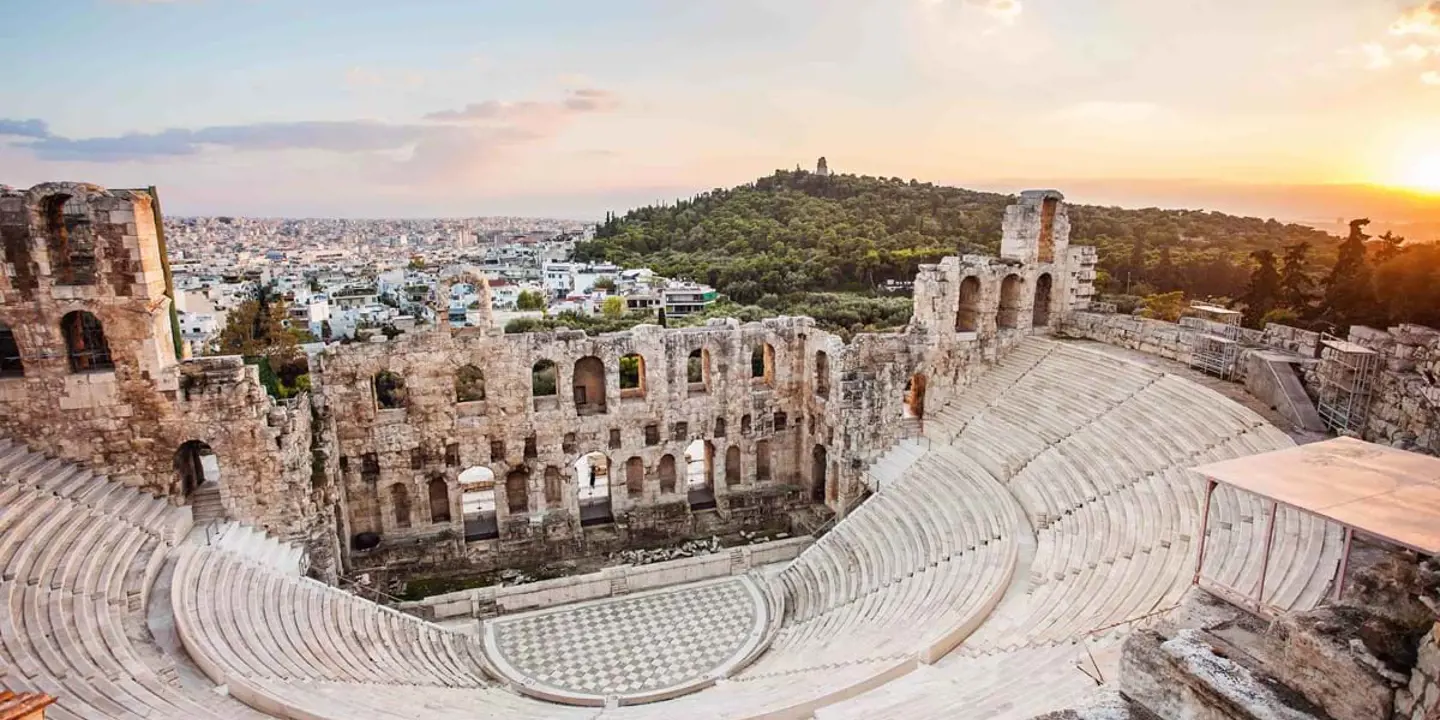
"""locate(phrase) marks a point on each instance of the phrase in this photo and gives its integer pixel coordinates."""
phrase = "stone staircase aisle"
(205, 503)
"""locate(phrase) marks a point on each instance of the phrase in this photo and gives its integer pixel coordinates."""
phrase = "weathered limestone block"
(1329, 655)
(1190, 677)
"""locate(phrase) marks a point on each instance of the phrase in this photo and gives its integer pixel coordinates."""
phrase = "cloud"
(1430, 77)
(504, 125)
(1376, 56)
(1419, 20)
(1414, 53)
(24, 128)
(1109, 112)
(1006, 11)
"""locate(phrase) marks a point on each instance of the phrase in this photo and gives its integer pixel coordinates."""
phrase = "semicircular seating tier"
(1050, 511)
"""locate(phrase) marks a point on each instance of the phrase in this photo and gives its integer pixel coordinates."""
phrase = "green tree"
(1264, 289)
(605, 283)
(1164, 306)
(530, 300)
(417, 262)
(1349, 292)
(613, 307)
(256, 330)
(1295, 282)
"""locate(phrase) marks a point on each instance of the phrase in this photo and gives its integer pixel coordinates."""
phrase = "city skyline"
(1304, 111)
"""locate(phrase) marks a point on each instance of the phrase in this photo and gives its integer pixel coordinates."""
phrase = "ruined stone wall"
(1405, 403)
(430, 436)
(129, 419)
(1420, 699)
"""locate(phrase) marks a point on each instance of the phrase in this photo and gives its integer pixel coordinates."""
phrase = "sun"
(1420, 172)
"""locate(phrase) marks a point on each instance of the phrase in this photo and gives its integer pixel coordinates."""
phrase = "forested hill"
(799, 232)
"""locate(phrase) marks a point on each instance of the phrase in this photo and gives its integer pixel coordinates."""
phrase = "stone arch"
(469, 384)
(732, 466)
(1040, 316)
(400, 503)
(389, 390)
(635, 477)
(477, 503)
(517, 491)
(822, 374)
(762, 461)
(666, 471)
(589, 385)
(592, 483)
(196, 466)
(69, 239)
(553, 484)
(85, 343)
(542, 378)
(1011, 300)
(632, 375)
(762, 364)
(967, 312)
(11, 362)
(439, 495)
(818, 464)
(697, 370)
(914, 405)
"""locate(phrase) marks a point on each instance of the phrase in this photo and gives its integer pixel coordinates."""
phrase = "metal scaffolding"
(1215, 347)
(1346, 375)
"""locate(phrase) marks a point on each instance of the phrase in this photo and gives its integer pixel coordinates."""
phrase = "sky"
(1301, 109)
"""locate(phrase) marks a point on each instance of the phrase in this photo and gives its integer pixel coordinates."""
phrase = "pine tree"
(1349, 293)
(1264, 287)
(1295, 284)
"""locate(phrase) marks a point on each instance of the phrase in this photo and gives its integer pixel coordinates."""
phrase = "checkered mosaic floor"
(632, 644)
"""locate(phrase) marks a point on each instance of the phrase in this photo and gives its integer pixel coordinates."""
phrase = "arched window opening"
(782, 421)
(85, 343)
(389, 390)
(697, 370)
(822, 374)
(439, 493)
(732, 466)
(1040, 316)
(1010, 302)
(632, 376)
(517, 492)
(914, 405)
(589, 386)
(666, 471)
(552, 486)
(477, 503)
(592, 486)
(762, 364)
(542, 379)
(196, 467)
(635, 477)
(720, 426)
(700, 475)
(817, 474)
(745, 424)
(69, 240)
(762, 461)
(11, 365)
(967, 315)
(469, 384)
(400, 501)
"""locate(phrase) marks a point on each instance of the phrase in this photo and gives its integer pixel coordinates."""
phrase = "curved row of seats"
(80, 554)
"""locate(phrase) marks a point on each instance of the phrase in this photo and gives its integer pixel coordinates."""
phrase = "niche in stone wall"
(439, 495)
(517, 491)
(1046, 247)
(818, 463)
(666, 471)
(400, 504)
(589, 386)
(822, 374)
(745, 425)
(1040, 316)
(11, 364)
(720, 426)
(85, 345)
(552, 486)
(967, 312)
(732, 466)
(762, 364)
(635, 477)
(762, 460)
(1011, 300)
(69, 240)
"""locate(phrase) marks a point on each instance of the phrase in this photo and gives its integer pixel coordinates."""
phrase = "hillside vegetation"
(790, 242)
